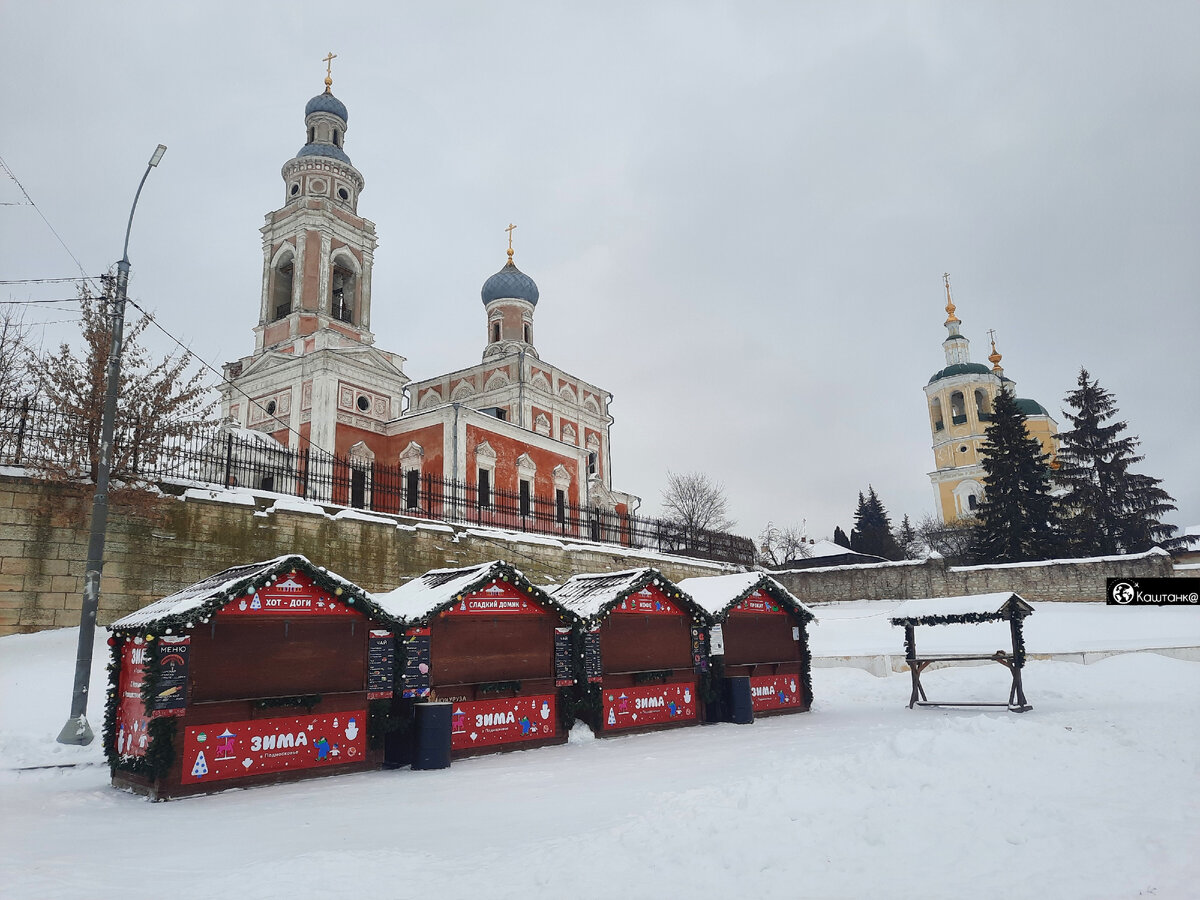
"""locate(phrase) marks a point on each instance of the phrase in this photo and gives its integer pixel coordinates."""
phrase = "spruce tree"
(1106, 508)
(907, 540)
(1016, 517)
(872, 532)
(839, 537)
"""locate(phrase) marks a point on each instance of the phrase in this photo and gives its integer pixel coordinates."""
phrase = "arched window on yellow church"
(935, 414)
(983, 405)
(958, 408)
(281, 287)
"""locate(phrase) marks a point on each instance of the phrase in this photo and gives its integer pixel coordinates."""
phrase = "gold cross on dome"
(328, 60)
(511, 227)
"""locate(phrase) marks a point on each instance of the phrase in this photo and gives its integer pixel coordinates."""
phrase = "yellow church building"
(960, 398)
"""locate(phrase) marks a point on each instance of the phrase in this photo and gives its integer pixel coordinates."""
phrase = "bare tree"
(696, 502)
(778, 545)
(951, 539)
(157, 401)
(14, 354)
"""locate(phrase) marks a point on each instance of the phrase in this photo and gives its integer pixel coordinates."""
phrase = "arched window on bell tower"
(983, 405)
(935, 414)
(281, 286)
(342, 298)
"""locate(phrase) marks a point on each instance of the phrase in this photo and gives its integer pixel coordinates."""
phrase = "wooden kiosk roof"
(717, 594)
(198, 601)
(419, 600)
(593, 597)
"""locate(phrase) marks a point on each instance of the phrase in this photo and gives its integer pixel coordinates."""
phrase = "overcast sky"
(738, 214)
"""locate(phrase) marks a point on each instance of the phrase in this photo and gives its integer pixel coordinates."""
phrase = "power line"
(30, 303)
(220, 375)
(41, 280)
(29, 200)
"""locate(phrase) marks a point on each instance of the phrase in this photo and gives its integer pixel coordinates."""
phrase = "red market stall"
(760, 631)
(262, 673)
(495, 646)
(645, 650)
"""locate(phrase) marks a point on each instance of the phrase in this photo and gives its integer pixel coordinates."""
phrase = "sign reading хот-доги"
(294, 594)
(263, 746)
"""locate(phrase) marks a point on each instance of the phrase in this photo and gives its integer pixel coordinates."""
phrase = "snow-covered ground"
(1092, 794)
(862, 627)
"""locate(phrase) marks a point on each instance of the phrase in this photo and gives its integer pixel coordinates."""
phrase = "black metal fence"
(207, 455)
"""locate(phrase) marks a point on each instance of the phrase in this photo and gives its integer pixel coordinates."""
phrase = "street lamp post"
(77, 730)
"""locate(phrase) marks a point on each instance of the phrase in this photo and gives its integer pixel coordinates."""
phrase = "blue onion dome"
(509, 282)
(326, 102)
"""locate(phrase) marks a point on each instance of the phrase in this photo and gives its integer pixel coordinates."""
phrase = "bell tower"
(317, 251)
(315, 378)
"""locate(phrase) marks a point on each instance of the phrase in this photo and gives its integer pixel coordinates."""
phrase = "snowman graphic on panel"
(545, 710)
(351, 730)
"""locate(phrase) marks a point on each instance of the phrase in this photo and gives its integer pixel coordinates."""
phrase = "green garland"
(497, 687)
(160, 748)
(389, 716)
(111, 702)
(658, 676)
(1016, 624)
(308, 701)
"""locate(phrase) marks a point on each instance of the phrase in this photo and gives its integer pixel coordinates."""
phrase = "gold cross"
(510, 229)
(328, 60)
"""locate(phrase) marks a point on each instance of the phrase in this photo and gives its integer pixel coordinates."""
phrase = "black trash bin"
(432, 749)
(739, 702)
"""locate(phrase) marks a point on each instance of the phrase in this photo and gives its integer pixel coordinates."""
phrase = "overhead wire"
(9, 172)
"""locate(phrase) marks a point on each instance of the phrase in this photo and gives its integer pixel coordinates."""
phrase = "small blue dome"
(509, 282)
(326, 103)
(324, 150)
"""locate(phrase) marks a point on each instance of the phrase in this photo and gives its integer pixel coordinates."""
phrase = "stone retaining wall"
(166, 543)
(1071, 580)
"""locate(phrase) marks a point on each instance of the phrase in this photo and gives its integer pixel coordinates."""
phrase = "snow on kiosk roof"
(593, 597)
(992, 607)
(419, 600)
(717, 594)
(198, 601)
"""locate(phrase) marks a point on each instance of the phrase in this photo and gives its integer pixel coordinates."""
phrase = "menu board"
(416, 662)
(170, 698)
(591, 656)
(381, 664)
(564, 674)
(699, 650)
